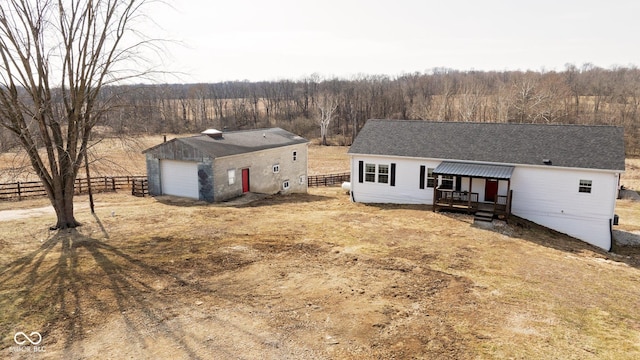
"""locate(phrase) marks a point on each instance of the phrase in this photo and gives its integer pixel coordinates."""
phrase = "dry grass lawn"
(310, 276)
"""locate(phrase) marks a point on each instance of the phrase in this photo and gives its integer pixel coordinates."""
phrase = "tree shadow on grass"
(73, 283)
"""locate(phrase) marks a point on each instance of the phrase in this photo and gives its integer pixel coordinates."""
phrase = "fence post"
(19, 192)
(113, 184)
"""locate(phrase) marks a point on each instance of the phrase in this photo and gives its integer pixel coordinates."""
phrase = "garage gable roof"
(238, 142)
(575, 146)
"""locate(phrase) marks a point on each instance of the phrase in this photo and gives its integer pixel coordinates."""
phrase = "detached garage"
(216, 166)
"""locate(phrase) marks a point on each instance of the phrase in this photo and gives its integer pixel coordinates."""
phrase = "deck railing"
(456, 199)
(469, 201)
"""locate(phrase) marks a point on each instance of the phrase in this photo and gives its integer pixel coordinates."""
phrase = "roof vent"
(213, 133)
(546, 161)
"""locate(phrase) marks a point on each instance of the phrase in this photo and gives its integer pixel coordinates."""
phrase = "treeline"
(576, 95)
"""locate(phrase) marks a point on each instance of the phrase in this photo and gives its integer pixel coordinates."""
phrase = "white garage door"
(179, 178)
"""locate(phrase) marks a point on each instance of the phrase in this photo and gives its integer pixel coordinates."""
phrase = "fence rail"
(140, 187)
(328, 180)
(27, 189)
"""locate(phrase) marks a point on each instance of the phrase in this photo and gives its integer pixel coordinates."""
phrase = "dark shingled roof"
(240, 142)
(578, 146)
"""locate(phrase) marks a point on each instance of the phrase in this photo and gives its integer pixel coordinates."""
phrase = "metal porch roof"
(474, 170)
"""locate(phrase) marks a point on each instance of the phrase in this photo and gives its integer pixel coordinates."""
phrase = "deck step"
(483, 216)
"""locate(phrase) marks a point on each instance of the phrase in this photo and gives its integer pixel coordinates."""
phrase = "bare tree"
(55, 56)
(327, 106)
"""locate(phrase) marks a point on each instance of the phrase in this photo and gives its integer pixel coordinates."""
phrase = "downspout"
(611, 235)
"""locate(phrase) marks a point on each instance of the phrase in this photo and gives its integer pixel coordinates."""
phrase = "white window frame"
(383, 173)
(585, 186)
(301, 180)
(447, 178)
(231, 174)
(295, 155)
(286, 185)
(430, 178)
(276, 168)
(370, 173)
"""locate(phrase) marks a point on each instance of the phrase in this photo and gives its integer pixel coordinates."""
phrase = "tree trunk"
(62, 201)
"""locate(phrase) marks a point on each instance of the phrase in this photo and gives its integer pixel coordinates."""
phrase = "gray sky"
(289, 39)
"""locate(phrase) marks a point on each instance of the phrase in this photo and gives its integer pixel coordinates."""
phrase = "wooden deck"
(468, 202)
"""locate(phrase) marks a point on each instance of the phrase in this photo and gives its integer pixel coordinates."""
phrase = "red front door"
(490, 190)
(245, 180)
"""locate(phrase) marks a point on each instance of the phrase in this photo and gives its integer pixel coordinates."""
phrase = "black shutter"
(423, 171)
(361, 171)
(393, 174)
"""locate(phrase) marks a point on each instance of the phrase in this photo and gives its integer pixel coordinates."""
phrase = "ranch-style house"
(564, 177)
(217, 166)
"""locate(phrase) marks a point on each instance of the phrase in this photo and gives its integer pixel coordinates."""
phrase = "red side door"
(245, 180)
(490, 190)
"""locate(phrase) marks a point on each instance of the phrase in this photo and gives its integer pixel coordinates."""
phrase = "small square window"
(301, 180)
(585, 186)
(276, 169)
(295, 155)
(285, 185)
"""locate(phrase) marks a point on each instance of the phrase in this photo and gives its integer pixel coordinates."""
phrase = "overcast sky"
(290, 39)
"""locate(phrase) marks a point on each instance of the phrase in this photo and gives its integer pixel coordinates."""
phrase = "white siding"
(545, 195)
(550, 197)
(407, 188)
(179, 178)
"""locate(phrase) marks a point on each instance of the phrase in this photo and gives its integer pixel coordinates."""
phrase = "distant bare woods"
(577, 95)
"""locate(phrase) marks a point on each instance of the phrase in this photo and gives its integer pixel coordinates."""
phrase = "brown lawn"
(310, 276)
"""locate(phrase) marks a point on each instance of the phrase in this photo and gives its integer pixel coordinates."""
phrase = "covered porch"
(473, 188)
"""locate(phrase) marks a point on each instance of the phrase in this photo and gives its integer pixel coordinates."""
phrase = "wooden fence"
(28, 189)
(328, 180)
(140, 187)
(137, 183)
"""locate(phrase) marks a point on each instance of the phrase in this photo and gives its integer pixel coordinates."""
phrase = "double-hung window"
(446, 182)
(370, 172)
(431, 181)
(383, 174)
(585, 186)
